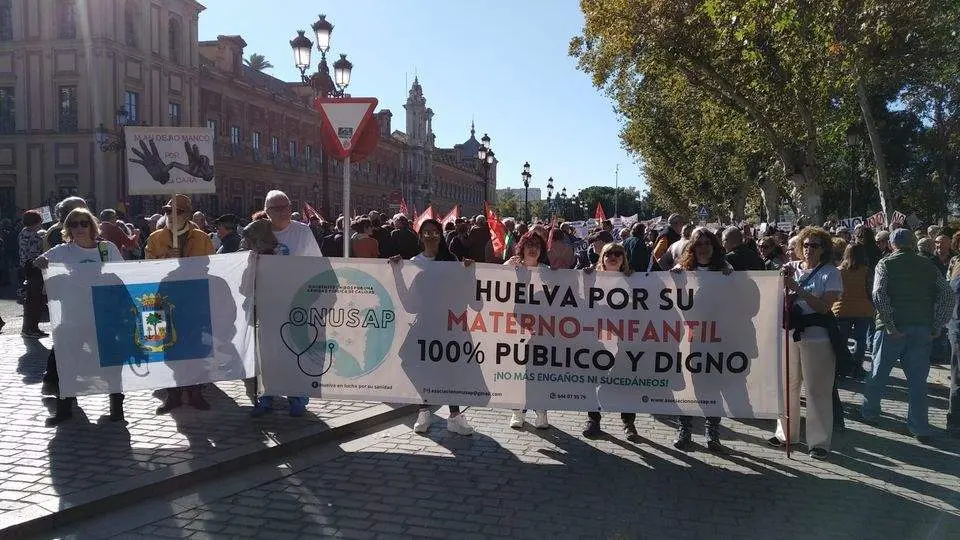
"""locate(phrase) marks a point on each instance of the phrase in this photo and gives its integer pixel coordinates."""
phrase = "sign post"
(703, 213)
(343, 122)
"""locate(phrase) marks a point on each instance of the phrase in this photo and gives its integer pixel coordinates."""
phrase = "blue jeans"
(913, 351)
(266, 402)
(953, 412)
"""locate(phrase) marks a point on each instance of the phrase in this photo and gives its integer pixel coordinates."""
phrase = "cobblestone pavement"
(50, 467)
(878, 483)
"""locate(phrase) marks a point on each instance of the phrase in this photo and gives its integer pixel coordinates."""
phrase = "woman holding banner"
(79, 234)
(702, 253)
(434, 248)
(815, 286)
(530, 250)
(613, 258)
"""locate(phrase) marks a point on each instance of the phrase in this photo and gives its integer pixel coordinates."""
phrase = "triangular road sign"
(343, 121)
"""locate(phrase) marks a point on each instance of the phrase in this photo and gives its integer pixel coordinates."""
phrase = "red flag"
(498, 234)
(403, 207)
(553, 225)
(452, 216)
(309, 212)
(600, 216)
(427, 214)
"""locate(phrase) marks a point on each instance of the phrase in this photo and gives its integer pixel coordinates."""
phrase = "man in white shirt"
(294, 238)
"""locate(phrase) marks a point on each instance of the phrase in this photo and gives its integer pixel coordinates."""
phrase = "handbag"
(790, 310)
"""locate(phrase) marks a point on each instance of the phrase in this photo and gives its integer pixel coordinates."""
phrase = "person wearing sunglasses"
(79, 233)
(191, 242)
(702, 253)
(433, 248)
(771, 253)
(528, 254)
(613, 258)
(815, 285)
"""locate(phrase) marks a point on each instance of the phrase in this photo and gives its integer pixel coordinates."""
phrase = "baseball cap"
(182, 203)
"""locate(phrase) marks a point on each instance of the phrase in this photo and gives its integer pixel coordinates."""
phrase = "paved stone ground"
(502, 483)
(52, 467)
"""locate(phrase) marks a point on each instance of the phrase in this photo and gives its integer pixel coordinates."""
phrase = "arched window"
(176, 39)
(131, 23)
(6, 20)
(67, 19)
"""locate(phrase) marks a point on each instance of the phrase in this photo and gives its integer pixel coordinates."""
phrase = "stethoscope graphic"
(308, 368)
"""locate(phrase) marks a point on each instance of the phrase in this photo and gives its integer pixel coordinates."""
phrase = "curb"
(40, 519)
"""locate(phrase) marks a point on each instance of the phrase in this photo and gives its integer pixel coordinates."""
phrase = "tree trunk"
(770, 193)
(738, 204)
(808, 195)
(883, 176)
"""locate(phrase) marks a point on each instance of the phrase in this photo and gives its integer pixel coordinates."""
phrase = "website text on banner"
(152, 324)
(489, 335)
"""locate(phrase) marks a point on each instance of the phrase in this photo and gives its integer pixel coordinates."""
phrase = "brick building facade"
(68, 66)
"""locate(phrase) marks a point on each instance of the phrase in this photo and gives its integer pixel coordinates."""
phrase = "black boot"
(64, 412)
(713, 435)
(172, 400)
(116, 408)
(683, 441)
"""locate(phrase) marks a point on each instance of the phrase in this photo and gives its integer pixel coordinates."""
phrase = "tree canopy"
(715, 92)
(258, 62)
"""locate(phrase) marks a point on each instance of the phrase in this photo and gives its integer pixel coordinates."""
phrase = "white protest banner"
(151, 324)
(851, 222)
(877, 220)
(168, 160)
(490, 335)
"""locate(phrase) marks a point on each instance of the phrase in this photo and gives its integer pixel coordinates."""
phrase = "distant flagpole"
(616, 191)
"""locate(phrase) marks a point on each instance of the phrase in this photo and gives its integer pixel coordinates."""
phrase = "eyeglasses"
(278, 208)
(80, 224)
(811, 245)
(430, 234)
(612, 254)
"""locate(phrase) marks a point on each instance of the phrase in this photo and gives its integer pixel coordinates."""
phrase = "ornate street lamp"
(113, 141)
(486, 156)
(550, 201)
(323, 85)
(526, 190)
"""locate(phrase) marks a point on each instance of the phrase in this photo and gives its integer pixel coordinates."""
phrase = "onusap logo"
(341, 320)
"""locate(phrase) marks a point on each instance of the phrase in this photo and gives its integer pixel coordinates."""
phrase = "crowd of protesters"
(892, 294)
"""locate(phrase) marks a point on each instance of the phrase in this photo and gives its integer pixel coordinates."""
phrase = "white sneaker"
(423, 422)
(516, 421)
(458, 424)
(542, 422)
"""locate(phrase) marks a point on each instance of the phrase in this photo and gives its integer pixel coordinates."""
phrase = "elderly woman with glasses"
(613, 258)
(814, 285)
(80, 246)
(703, 253)
(529, 253)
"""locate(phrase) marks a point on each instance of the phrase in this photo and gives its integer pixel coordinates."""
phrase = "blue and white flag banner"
(143, 325)
(490, 335)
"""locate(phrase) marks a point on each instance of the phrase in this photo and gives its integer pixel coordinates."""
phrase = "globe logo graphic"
(340, 332)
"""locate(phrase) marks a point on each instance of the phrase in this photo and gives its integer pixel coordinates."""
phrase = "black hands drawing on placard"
(148, 157)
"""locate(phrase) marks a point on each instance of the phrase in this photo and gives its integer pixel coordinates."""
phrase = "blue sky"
(501, 62)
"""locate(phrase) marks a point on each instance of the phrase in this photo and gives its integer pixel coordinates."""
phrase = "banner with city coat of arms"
(152, 324)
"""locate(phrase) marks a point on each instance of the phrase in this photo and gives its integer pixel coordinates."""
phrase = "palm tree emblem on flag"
(155, 333)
